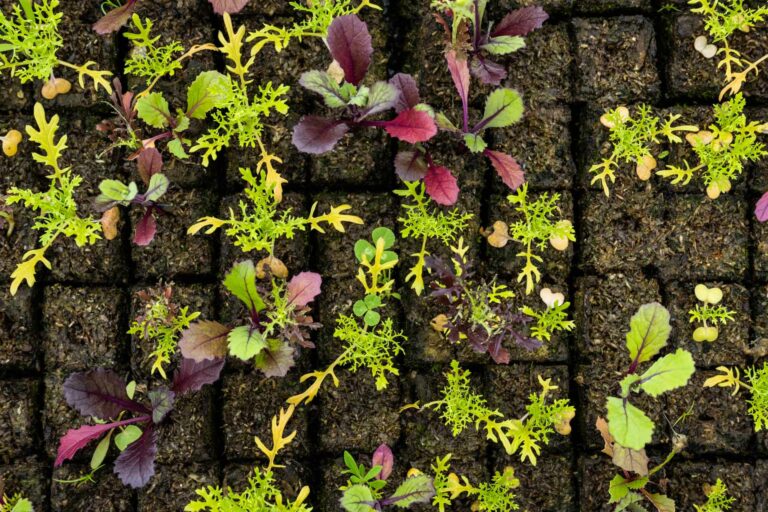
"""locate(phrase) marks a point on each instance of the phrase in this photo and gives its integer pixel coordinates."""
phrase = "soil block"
(18, 423)
(18, 341)
(29, 477)
(106, 494)
(546, 487)
(170, 489)
(689, 478)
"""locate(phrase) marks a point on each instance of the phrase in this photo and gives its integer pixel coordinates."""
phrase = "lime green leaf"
(359, 308)
(386, 234)
(503, 45)
(364, 248)
(100, 453)
(114, 190)
(372, 318)
(357, 499)
(177, 149)
(325, 85)
(620, 487)
(627, 501)
(416, 489)
(208, 90)
(627, 383)
(129, 435)
(502, 108)
(130, 389)
(241, 282)
(474, 143)
(670, 372)
(158, 185)
(153, 110)
(245, 342)
(648, 332)
(628, 425)
(23, 505)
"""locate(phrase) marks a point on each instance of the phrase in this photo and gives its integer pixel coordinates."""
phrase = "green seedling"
(494, 496)
(709, 314)
(756, 383)
(717, 498)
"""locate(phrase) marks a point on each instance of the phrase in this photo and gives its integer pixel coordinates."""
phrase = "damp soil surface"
(647, 242)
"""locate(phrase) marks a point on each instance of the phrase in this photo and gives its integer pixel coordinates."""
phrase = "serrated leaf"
(628, 425)
(382, 96)
(621, 487)
(410, 165)
(193, 375)
(177, 149)
(503, 45)
(245, 342)
(207, 91)
(241, 282)
(136, 465)
(670, 372)
(275, 360)
(322, 83)
(507, 168)
(441, 186)
(416, 489)
(408, 92)
(649, 330)
(502, 108)
(628, 459)
(153, 110)
(474, 142)
(99, 393)
(412, 126)
(162, 400)
(204, 340)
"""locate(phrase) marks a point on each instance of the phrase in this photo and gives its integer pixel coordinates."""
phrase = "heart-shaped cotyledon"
(704, 47)
(550, 298)
(708, 295)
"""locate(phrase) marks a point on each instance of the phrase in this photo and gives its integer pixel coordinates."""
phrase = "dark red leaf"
(383, 457)
(114, 19)
(499, 354)
(318, 135)
(510, 171)
(441, 185)
(191, 375)
(303, 288)
(76, 439)
(459, 73)
(136, 465)
(412, 126)
(521, 22)
(99, 393)
(410, 165)
(350, 45)
(145, 229)
(149, 162)
(230, 6)
(761, 208)
(409, 91)
(204, 340)
(487, 71)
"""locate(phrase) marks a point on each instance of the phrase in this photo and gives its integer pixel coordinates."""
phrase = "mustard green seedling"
(709, 314)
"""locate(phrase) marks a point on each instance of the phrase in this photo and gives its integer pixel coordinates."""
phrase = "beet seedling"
(649, 331)
(482, 314)
(105, 396)
(756, 383)
(56, 207)
(29, 42)
(460, 406)
(709, 313)
(278, 320)
(536, 228)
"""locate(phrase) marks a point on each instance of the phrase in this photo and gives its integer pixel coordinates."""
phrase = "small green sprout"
(717, 499)
(757, 384)
(709, 313)
(494, 496)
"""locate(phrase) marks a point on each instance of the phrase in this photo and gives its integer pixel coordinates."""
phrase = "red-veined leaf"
(204, 340)
(441, 185)
(507, 167)
(191, 375)
(521, 22)
(303, 288)
(412, 126)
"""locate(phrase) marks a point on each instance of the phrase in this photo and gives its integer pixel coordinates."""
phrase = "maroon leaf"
(145, 229)
(230, 6)
(276, 361)
(441, 185)
(204, 340)
(76, 439)
(410, 165)
(409, 91)
(510, 171)
(761, 208)
(191, 375)
(136, 465)
(350, 45)
(114, 19)
(499, 354)
(149, 162)
(412, 126)
(99, 393)
(318, 135)
(162, 403)
(521, 22)
(459, 73)
(487, 71)
(303, 288)
(383, 457)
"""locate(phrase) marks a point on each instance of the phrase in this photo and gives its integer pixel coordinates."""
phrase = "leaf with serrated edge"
(669, 372)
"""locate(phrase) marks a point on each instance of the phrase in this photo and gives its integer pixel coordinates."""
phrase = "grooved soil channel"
(647, 242)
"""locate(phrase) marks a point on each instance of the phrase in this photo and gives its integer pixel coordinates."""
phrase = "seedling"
(628, 490)
(709, 314)
(493, 496)
(536, 228)
(57, 210)
(14, 503)
(29, 42)
(467, 33)
(649, 331)
(717, 498)
(460, 406)
(116, 14)
(320, 16)
(482, 314)
(423, 222)
(161, 324)
(259, 223)
(133, 424)
(722, 19)
(11, 141)
(757, 384)
(278, 320)
(364, 490)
